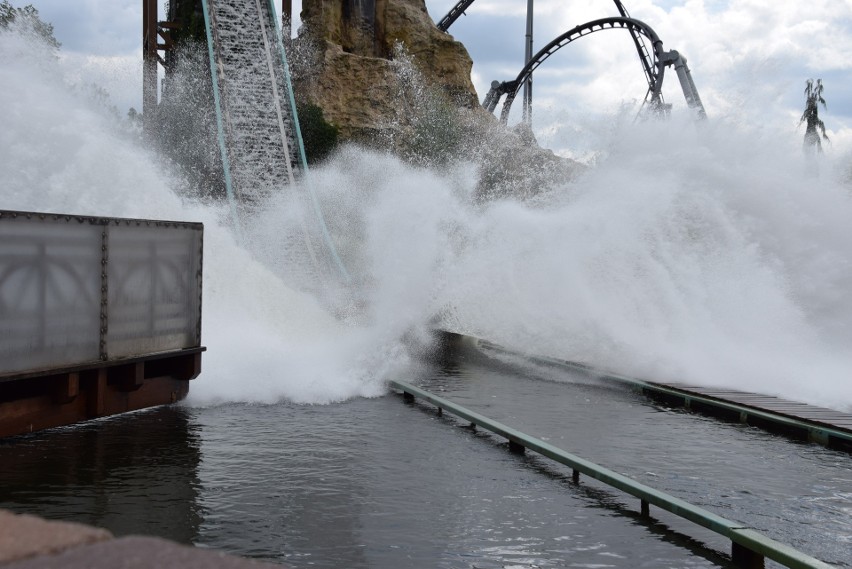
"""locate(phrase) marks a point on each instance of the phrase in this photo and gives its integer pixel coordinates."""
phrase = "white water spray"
(704, 255)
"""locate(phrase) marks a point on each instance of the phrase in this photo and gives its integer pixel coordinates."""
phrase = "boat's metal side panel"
(97, 316)
(77, 289)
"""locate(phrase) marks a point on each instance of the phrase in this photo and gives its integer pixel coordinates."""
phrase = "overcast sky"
(749, 58)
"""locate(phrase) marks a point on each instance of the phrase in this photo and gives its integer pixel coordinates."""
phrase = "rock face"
(386, 77)
(346, 62)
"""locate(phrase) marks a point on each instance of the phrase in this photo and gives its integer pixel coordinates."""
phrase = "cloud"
(94, 27)
(119, 75)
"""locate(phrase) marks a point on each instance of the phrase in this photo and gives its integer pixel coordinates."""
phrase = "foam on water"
(711, 254)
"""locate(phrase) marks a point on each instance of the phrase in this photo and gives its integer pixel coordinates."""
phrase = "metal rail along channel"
(803, 428)
(748, 547)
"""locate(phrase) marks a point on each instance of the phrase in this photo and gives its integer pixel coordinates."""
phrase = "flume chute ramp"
(254, 105)
(258, 129)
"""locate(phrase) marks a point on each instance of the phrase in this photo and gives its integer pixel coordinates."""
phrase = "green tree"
(318, 135)
(814, 125)
(28, 20)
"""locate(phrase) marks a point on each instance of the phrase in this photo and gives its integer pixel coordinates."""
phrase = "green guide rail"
(748, 547)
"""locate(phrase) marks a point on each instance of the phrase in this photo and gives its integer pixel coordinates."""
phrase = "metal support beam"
(746, 558)
(687, 85)
(528, 53)
(152, 32)
(149, 63)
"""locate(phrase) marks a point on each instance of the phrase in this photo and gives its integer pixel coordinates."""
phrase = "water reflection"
(133, 474)
(373, 483)
(794, 492)
(280, 482)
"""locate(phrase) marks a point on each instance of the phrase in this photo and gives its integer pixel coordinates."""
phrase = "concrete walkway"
(29, 542)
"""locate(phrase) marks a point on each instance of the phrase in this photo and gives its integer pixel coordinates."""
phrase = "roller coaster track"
(644, 57)
(258, 130)
(657, 58)
(460, 8)
(653, 97)
(453, 15)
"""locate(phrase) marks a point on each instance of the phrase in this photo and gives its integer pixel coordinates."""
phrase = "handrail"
(220, 127)
(818, 433)
(748, 546)
(303, 157)
(291, 100)
(276, 98)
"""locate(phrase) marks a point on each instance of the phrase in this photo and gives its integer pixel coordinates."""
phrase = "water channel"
(373, 482)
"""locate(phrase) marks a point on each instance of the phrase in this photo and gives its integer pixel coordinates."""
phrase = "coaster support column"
(149, 63)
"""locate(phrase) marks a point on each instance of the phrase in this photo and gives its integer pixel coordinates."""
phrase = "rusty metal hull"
(52, 398)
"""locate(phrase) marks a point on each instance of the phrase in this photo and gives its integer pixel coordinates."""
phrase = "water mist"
(705, 254)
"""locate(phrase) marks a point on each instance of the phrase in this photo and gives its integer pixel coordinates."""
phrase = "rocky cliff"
(386, 77)
(346, 61)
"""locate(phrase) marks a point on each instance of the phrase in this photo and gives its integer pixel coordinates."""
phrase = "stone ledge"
(139, 553)
(23, 536)
(30, 542)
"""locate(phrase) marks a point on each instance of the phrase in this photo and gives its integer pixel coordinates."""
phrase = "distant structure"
(157, 41)
(654, 61)
(658, 61)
